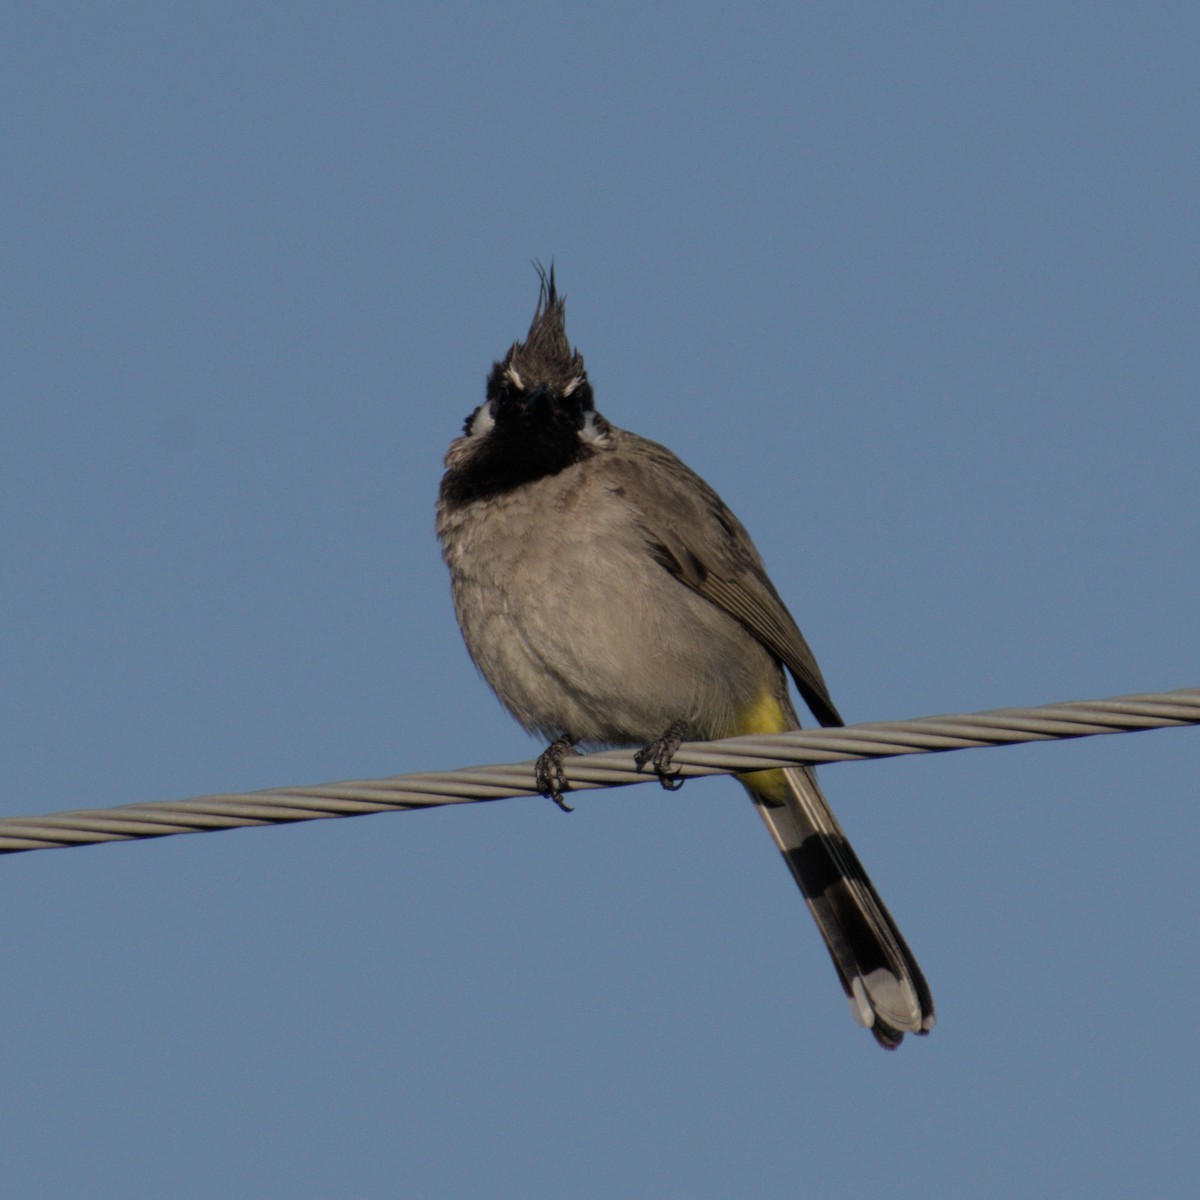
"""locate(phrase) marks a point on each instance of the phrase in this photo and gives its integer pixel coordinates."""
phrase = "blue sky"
(915, 287)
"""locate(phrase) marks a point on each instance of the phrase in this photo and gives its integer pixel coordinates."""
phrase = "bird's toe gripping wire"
(548, 773)
(659, 753)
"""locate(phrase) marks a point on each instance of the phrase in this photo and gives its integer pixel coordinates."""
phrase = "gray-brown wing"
(695, 537)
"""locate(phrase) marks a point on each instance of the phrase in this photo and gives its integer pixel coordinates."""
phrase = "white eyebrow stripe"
(572, 386)
(514, 376)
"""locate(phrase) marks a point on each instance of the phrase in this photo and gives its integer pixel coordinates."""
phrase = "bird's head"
(538, 417)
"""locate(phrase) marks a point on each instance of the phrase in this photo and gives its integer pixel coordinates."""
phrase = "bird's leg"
(659, 754)
(548, 771)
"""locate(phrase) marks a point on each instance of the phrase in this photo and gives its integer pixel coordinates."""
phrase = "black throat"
(524, 446)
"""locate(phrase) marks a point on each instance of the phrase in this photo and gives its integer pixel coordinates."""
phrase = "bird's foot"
(659, 754)
(548, 773)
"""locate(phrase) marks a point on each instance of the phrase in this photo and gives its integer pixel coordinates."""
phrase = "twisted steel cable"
(923, 735)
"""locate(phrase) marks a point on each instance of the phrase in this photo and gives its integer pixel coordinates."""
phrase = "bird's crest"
(546, 355)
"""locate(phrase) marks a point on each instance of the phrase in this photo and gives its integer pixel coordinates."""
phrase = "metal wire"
(999, 727)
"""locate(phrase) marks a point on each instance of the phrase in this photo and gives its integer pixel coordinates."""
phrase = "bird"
(610, 598)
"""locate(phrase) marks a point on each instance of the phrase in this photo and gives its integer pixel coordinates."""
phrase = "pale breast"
(578, 629)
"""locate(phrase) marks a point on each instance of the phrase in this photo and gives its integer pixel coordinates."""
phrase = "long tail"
(886, 989)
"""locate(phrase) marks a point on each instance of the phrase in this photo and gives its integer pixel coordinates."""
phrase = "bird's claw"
(548, 774)
(659, 754)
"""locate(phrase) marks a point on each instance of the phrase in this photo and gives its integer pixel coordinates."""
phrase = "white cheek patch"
(591, 432)
(483, 422)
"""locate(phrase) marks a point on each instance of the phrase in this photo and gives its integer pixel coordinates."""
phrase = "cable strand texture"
(886, 739)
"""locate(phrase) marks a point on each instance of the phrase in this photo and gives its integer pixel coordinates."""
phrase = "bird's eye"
(505, 400)
(577, 396)
(510, 389)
